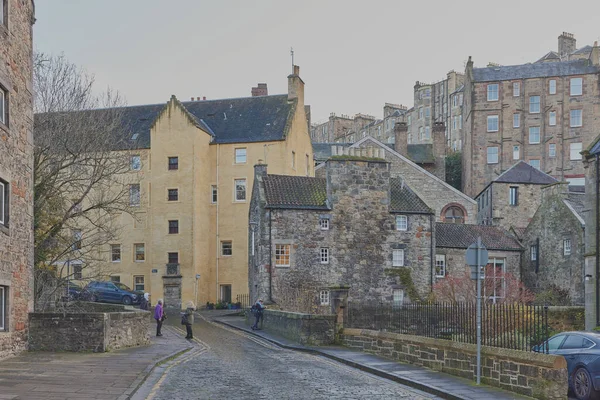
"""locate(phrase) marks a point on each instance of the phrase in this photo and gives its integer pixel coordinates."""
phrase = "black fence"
(511, 326)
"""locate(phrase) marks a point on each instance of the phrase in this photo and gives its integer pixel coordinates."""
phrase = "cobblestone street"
(235, 365)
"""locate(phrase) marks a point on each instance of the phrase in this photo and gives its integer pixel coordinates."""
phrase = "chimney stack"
(566, 44)
(203, 97)
(296, 86)
(192, 99)
(260, 90)
(197, 98)
(401, 136)
(439, 149)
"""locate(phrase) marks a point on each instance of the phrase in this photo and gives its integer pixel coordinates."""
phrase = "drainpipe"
(597, 238)
(431, 255)
(217, 228)
(270, 260)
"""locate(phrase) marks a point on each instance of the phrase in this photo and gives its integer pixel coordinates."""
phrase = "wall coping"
(539, 359)
(297, 315)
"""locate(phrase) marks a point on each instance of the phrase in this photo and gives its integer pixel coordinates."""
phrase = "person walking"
(159, 316)
(145, 302)
(187, 319)
(258, 313)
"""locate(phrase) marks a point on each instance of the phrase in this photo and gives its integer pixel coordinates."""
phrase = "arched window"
(455, 215)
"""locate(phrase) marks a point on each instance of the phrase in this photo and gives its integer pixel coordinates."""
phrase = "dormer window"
(135, 136)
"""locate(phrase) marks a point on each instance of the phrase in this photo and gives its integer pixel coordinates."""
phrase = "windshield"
(121, 286)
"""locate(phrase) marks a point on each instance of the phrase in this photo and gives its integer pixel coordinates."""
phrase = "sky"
(353, 56)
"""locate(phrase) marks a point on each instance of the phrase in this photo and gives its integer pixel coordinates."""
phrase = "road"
(229, 364)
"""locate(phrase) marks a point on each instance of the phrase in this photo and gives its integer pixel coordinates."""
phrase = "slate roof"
(322, 151)
(552, 55)
(535, 70)
(295, 192)
(404, 200)
(522, 172)
(595, 147)
(461, 236)
(421, 153)
(576, 201)
(584, 50)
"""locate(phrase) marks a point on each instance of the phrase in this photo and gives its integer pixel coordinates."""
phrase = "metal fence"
(243, 299)
(511, 326)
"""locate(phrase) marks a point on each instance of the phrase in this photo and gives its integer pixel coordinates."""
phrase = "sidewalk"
(440, 384)
(114, 375)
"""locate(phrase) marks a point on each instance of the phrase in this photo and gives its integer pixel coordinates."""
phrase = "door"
(172, 296)
(225, 293)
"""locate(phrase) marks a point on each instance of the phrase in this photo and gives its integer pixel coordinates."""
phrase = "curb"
(383, 374)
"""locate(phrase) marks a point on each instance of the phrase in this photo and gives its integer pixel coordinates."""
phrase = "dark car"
(74, 291)
(112, 292)
(582, 352)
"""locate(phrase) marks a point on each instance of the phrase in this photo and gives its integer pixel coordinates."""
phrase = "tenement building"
(16, 173)
(591, 215)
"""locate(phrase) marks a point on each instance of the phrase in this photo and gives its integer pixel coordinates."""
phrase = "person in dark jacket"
(258, 313)
(145, 302)
(188, 317)
(159, 316)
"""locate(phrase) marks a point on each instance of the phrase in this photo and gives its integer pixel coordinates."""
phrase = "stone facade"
(592, 223)
(16, 174)
(333, 129)
(306, 329)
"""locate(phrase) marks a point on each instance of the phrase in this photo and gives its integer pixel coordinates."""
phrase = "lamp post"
(196, 290)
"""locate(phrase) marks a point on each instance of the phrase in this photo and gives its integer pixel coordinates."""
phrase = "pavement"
(437, 383)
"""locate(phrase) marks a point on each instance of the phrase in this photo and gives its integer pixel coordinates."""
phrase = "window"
(115, 252)
(324, 297)
(427, 133)
(213, 198)
(324, 255)
(534, 104)
(173, 163)
(494, 276)
(135, 136)
(226, 248)
(516, 89)
(4, 203)
(552, 86)
(576, 342)
(516, 153)
(173, 227)
(240, 190)
(533, 252)
(567, 247)
(77, 272)
(421, 113)
(134, 195)
(492, 155)
(551, 150)
(3, 308)
(138, 283)
(534, 134)
(173, 194)
(173, 258)
(398, 296)
(576, 86)
(139, 252)
(427, 112)
(576, 118)
(136, 163)
(513, 195)
(492, 123)
(516, 120)
(455, 215)
(535, 163)
(555, 342)
(552, 118)
(398, 258)
(3, 103)
(77, 238)
(440, 265)
(282, 255)
(293, 160)
(492, 92)
(421, 136)
(307, 165)
(401, 222)
(240, 156)
(575, 150)
(324, 224)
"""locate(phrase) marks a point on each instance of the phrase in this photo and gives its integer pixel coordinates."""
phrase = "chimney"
(296, 86)
(401, 136)
(203, 97)
(260, 169)
(197, 98)
(595, 54)
(439, 149)
(260, 90)
(566, 44)
(192, 99)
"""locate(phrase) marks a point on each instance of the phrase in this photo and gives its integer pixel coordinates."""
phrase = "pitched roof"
(584, 50)
(594, 148)
(522, 172)
(575, 200)
(550, 56)
(535, 70)
(404, 200)
(295, 192)
(461, 236)
(421, 153)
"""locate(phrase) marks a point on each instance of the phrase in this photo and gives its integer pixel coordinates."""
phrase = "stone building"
(592, 236)
(356, 227)
(511, 199)
(554, 243)
(430, 156)
(16, 173)
(543, 113)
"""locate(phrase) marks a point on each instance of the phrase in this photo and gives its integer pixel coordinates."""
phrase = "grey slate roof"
(595, 147)
(535, 70)
(421, 153)
(404, 200)
(322, 151)
(584, 50)
(552, 55)
(461, 236)
(295, 192)
(576, 201)
(522, 172)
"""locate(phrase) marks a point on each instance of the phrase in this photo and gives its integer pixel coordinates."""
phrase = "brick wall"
(308, 329)
(541, 376)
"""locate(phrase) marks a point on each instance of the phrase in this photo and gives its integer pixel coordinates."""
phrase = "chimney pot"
(192, 99)
(203, 97)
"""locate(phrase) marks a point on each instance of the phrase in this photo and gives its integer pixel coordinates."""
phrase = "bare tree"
(82, 175)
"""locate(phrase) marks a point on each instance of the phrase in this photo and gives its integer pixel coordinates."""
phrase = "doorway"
(225, 294)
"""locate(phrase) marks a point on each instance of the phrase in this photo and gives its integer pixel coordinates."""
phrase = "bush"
(553, 296)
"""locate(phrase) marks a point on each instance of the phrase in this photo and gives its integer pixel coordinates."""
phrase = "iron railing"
(244, 300)
(511, 326)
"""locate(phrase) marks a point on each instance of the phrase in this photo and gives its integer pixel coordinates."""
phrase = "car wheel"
(582, 385)
(126, 300)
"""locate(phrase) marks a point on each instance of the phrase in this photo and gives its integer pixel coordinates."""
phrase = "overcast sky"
(354, 56)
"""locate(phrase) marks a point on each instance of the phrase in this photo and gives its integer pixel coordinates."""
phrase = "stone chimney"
(353, 183)
(260, 169)
(401, 138)
(566, 44)
(260, 90)
(296, 86)
(595, 54)
(439, 149)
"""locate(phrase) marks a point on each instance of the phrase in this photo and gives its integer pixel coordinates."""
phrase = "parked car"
(74, 291)
(582, 352)
(112, 292)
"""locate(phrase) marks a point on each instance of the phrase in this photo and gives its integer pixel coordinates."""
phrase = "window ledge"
(5, 230)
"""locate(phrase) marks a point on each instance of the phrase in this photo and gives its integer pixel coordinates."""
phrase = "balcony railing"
(173, 269)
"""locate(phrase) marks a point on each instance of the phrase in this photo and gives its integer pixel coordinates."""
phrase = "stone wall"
(496, 210)
(563, 319)
(307, 329)
(541, 376)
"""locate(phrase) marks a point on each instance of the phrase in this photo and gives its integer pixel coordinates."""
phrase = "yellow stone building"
(188, 239)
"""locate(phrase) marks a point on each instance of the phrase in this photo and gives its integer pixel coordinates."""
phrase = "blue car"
(582, 352)
(112, 292)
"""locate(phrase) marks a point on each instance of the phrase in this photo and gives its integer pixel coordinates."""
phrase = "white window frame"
(136, 162)
(516, 89)
(552, 150)
(552, 118)
(237, 193)
(533, 252)
(77, 271)
(324, 255)
(224, 245)
(136, 251)
(401, 222)
(240, 155)
(440, 265)
(3, 311)
(516, 152)
(214, 194)
(534, 107)
(492, 157)
(552, 86)
(576, 86)
(113, 253)
(495, 262)
(136, 284)
(427, 133)
(534, 135)
(324, 224)
(516, 120)
(576, 118)
(135, 198)
(534, 162)
(324, 297)
(566, 247)
(282, 254)
(513, 195)
(575, 150)
(398, 258)
(77, 239)
(3, 203)
(492, 123)
(3, 99)
(493, 95)
(398, 297)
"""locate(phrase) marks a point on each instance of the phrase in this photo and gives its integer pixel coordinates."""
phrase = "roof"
(594, 148)
(421, 153)
(518, 232)
(295, 192)
(522, 172)
(322, 151)
(584, 50)
(535, 70)
(461, 88)
(404, 200)
(575, 201)
(552, 55)
(461, 236)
